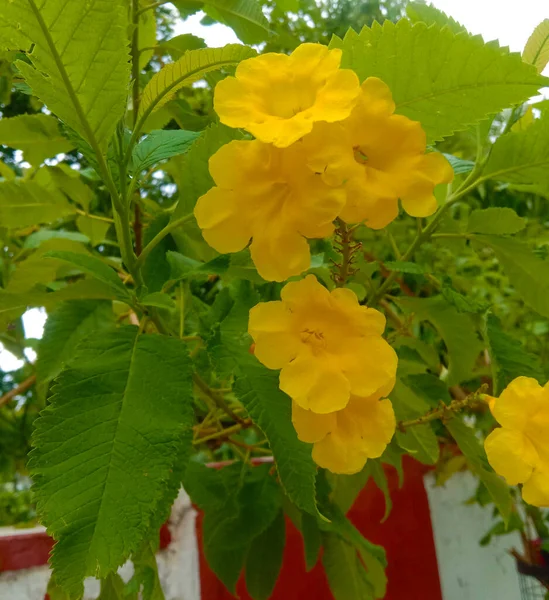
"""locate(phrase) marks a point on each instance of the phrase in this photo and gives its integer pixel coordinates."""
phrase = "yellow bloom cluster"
(325, 147)
(334, 365)
(519, 449)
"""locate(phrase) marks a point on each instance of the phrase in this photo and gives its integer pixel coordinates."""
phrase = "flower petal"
(511, 455)
(518, 402)
(535, 490)
(310, 426)
(278, 258)
(337, 98)
(305, 292)
(336, 455)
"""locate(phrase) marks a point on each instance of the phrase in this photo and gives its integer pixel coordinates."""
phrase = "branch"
(20, 389)
(217, 398)
(160, 236)
(224, 433)
(344, 239)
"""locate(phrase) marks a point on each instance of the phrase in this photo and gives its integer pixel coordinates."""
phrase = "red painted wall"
(406, 535)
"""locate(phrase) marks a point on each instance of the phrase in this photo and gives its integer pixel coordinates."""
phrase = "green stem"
(151, 6)
(216, 397)
(160, 236)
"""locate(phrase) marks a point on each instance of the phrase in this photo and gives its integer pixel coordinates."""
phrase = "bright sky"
(509, 21)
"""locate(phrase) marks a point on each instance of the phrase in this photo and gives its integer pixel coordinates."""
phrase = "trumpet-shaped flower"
(326, 344)
(275, 196)
(385, 161)
(519, 449)
(277, 98)
(346, 439)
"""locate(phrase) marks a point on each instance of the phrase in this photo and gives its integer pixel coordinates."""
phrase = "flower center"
(313, 338)
(360, 157)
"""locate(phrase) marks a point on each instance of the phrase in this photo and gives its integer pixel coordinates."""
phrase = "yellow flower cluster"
(325, 147)
(519, 449)
(334, 365)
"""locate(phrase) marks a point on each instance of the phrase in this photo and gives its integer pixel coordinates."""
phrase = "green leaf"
(65, 328)
(528, 274)
(146, 573)
(312, 540)
(25, 203)
(455, 91)
(34, 240)
(265, 559)
(193, 65)
(496, 221)
(459, 165)
(270, 408)
(96, 268)
(419, 11)
(536, 51)
(346, 488)
(112, 588)
(346, 574)
(178, 45)
(461, 303)
(160, 145)
(38, 136)
(476, 456)
(245, 17)
(105, 446)
(156, 270)
(79, 64)
(420, 440)
(94, 229)
(378, 474)
(159, 300)
(404, 267)
(456, 329)
(521, 157)
(509, 357)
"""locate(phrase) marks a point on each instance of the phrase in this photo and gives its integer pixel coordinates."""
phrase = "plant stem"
(224, 433)
(160, 236)
(95, 217)
(20, 389)
(347, 250)
(151, 6)
(217, 398)
(445, 411)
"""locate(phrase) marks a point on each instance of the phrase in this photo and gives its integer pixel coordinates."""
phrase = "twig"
(20, 389)
(344, 239)
(217, 398)
(225, 433)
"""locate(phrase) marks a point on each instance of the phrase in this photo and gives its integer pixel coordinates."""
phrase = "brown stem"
(344, 239)
(20, 389)
(217, 398)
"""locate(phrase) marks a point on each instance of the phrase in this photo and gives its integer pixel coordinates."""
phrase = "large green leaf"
(536, 51)
(476, 456)
(528, 273)
(509, 358)
(79, 64)
(160, 145)
(244, 16)
(312, 540)
(496, 221)
(444, 80)
(25, 202)
(270, 408)
(521, 157)
(65, 328)
(105, 447)
(264, 559)
(193, 65)
(37, 135)
(455, 328)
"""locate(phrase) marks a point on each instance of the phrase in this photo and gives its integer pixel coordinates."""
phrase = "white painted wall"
(467, 570)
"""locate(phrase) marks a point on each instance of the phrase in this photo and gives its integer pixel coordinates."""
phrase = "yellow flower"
(273, 195)
(385, 160)
(344, 440)
(519, 449)
(326, 344)
(277, 98)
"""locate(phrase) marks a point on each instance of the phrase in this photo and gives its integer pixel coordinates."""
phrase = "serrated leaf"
(159, 145)
(454, 91)
(495, 221)
(509, 357)
(94, 229)
(79, 64)
(528, 274)
(178, 45)
(146, 573)
(419, 11)
(476, 456)
(112, 588)
(462, 303)
(65, 328)
(25, 203)
(404, 267)
(456, 329)
(459, 165)
(265, 559)
(312, 540)
(96, 268)
(193, 65)
(159, 300)
(245, 17)
(521, 157)
(346, 575)
(38, 136)
(105, 446)
(536, 51)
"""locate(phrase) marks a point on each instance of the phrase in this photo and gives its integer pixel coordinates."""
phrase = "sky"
(509, 21)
